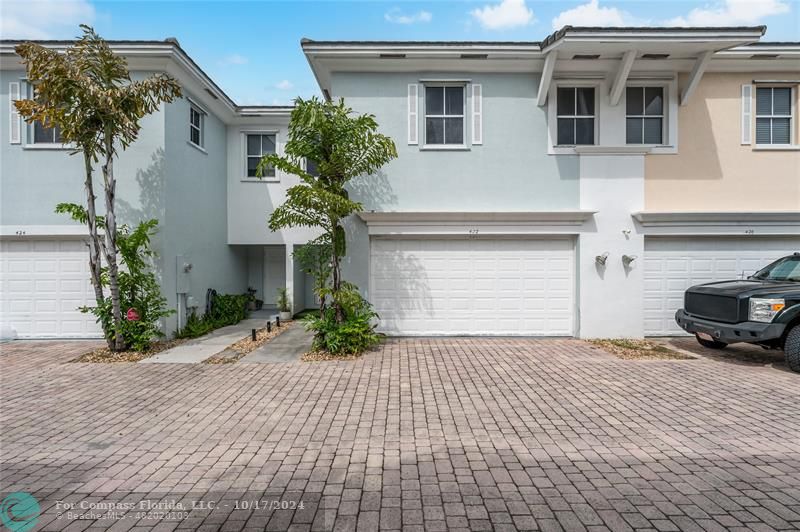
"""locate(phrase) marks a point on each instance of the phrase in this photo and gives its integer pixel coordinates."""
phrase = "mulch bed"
(326, 356)
(639, 350)
(104, 355)
(244, 346)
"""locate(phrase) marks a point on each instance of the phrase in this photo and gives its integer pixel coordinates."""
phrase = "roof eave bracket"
(700, 66)
(547, 77)
(622, 76)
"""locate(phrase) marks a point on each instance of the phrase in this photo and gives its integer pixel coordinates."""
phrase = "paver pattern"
(422, 434)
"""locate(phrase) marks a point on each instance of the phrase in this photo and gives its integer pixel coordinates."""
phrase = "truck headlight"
(765, 309)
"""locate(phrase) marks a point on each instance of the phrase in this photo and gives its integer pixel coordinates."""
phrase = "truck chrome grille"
(718, 308)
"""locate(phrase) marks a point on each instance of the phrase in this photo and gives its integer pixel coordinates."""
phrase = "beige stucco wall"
(712, 171)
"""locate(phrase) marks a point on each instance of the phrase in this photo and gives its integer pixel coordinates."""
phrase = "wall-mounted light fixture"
(628, 259)
(187, 267)
(600, 260)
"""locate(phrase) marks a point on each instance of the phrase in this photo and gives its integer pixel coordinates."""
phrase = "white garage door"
(42, 282)
(461, 287)
(671, 265)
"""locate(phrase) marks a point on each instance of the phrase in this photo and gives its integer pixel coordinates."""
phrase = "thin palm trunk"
(111, 242)
(95, 245)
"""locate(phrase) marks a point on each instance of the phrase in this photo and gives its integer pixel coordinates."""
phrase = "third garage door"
(492, 286)
(673, 264)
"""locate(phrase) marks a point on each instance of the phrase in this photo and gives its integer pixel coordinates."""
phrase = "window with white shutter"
(14, 122)
(413, 113)
(477, 114)
(747, 114)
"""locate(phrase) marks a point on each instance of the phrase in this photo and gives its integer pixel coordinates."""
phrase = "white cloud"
(284, 85)
(396, 16)
(44, 19)
(233, 59)
(506, 14)
(592, 14)
(731, 13)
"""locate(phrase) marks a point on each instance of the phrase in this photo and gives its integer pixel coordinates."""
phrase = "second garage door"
(674, 264)
(461, 287)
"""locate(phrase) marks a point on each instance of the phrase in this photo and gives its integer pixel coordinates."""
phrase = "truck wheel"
(791, 348)
(711, 344)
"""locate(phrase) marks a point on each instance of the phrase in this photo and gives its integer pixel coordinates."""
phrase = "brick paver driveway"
(433, 433)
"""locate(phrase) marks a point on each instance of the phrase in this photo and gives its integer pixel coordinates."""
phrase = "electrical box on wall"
(182, 279)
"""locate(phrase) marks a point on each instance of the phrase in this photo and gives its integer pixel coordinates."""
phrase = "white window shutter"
(14, 124)
(413, 113)
(747, 114)
(477, 114)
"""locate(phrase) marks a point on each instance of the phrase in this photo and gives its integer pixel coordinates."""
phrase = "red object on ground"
(132, 315)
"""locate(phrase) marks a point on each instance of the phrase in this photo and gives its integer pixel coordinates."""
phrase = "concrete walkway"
(206, 346)
(288, 346)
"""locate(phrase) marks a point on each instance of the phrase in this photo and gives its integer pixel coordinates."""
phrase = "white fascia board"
(655, 218)
(27, 231)
(576, 217)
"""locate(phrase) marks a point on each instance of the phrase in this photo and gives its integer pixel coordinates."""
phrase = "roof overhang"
(164, 56)
(467, 224)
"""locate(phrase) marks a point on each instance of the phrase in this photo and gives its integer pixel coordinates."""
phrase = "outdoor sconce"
(628, 259)
(187, 267)
(601, 259)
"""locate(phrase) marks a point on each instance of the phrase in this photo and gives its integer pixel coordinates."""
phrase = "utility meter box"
(182, 279)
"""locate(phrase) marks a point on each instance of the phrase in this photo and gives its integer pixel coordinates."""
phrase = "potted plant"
(284, 308)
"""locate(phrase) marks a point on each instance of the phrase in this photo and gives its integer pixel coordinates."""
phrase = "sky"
(252, 48)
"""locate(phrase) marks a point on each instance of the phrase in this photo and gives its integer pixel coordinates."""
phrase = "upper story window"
(444, 115)
(311, 168)
(46, 135)
(196, 126)
(644, 115)
(258, 145)
(575, 115)
(773, 115)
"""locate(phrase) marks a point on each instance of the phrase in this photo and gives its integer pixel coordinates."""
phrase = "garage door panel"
(673, 264)
(490, 286)
(43, 283)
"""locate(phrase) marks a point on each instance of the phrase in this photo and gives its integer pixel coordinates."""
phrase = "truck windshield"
(785, 269)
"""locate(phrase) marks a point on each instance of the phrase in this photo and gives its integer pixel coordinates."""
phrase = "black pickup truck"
(763, 309)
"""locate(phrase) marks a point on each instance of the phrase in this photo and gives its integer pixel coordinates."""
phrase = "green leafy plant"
(314, 258)
(88, 93)
(341, 146)
(139, 290)
(283, 301)
(353, 335)
(227, 309)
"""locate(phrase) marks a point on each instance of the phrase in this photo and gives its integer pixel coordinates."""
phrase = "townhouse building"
(570, 187)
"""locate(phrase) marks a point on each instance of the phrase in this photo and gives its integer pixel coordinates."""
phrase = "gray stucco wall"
(195, 225)
(510, 171)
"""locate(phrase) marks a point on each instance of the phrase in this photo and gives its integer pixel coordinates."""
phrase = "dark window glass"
(644, 107)
(46, 135)
(566, 101)
(572, 103)
(773, 115)
(654, 100)
(585, 101)
(434, 130)
(434, 100)
(258, 146)
(634, 101)
(454, 100)
(194, 135)
(652, 130)
(454, 130)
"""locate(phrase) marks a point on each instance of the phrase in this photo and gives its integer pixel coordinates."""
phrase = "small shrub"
(282, 301)
(138, 290)
(227, 309)
(354, 335)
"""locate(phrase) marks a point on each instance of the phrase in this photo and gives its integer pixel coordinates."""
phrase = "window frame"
(792, 116)
(30, 130)
(425, 115)
(245, 155)
(664, 112)
(566, 84)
